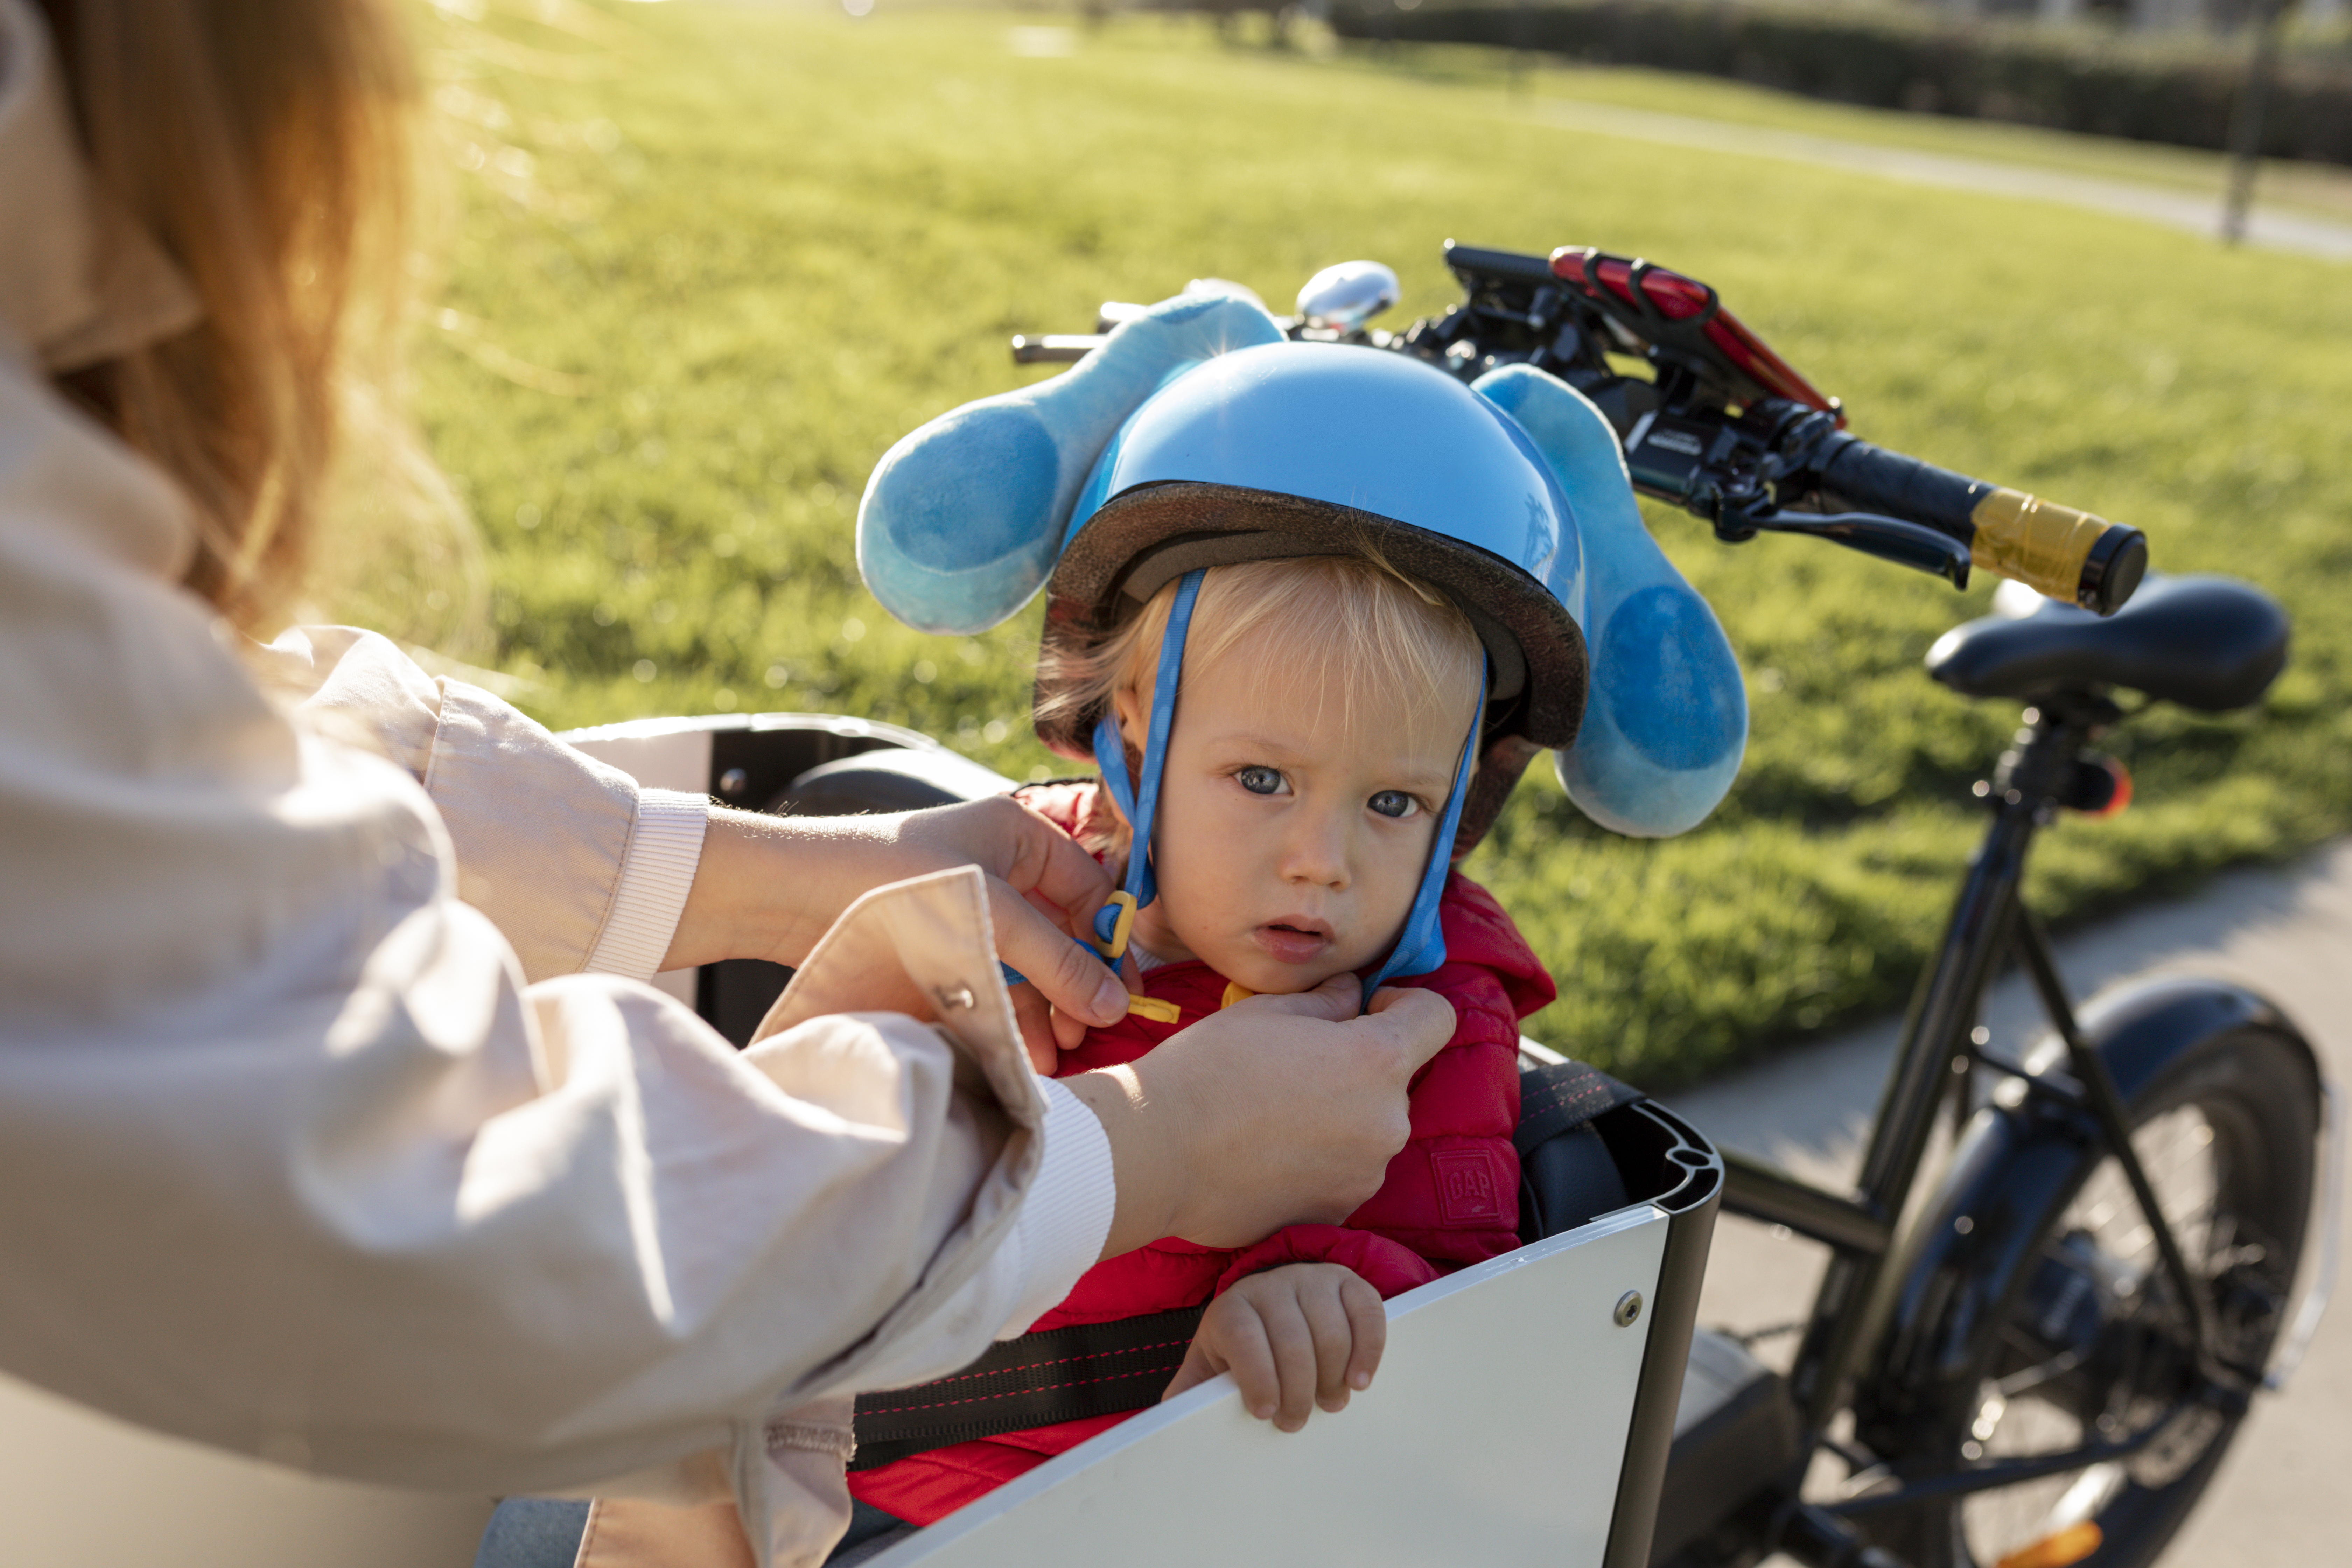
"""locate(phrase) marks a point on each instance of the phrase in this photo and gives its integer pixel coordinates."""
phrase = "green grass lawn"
(711, 262)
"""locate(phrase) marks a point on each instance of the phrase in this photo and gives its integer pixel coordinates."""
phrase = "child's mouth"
(1293, 940)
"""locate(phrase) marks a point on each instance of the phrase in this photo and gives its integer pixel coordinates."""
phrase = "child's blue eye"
(1259, 780)
(1394, 803)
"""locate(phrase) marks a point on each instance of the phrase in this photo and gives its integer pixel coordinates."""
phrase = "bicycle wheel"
(2099, 1347)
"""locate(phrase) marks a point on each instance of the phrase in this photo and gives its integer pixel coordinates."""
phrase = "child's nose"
(1315, 852)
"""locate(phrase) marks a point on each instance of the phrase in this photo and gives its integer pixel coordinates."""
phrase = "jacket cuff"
(665, 847)
(1067, 1215)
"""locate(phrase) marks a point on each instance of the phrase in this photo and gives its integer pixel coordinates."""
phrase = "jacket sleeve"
(579, 868)
(1389, 1266)
(293, 1163)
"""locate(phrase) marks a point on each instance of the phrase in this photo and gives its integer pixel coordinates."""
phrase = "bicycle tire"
(2250, 1091)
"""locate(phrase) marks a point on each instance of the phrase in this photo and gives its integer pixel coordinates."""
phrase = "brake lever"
(1908, 544)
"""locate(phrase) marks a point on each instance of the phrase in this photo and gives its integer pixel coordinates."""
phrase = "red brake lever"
(1659, 306)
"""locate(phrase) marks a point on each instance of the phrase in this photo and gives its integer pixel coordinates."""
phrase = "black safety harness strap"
(1565, 1095)
(1106, 1368)
(1058, 1374)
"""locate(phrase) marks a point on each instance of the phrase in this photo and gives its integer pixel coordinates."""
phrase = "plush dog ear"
(963, 519)
(1665, 722)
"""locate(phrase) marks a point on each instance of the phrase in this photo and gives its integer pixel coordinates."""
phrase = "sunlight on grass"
(714, 261)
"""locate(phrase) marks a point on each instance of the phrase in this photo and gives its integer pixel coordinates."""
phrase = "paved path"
(2281, 1496)
(2198, 214)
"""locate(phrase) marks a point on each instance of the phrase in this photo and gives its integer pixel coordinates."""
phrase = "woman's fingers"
(1048, 861)
(1335, 1000)
(1417, 1018)
(1072, 978)
(1294, 1102)
(1041, 1028)
(1070, 1034)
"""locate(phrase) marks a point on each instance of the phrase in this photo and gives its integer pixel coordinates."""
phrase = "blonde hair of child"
(1389, 649)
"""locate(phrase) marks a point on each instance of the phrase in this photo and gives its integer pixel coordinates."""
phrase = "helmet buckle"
(1113, 926)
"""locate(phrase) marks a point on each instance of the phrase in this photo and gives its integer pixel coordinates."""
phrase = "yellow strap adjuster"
(1116, 949)
(1153, 1008)
(1235, 992)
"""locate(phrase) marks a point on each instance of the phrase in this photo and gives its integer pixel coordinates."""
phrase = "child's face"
(1290, 843)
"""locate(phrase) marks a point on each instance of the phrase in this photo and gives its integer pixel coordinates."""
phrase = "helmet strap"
(1421, 946)
(1139, 805)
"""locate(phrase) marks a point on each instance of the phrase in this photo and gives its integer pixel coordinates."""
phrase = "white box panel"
(1494, 1433)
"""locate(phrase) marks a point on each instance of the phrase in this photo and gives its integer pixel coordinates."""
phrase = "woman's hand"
(1278, 1110)
(1302, 1335)
(769, 887)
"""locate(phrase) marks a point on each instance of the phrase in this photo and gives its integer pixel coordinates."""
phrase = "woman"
(305, 1155)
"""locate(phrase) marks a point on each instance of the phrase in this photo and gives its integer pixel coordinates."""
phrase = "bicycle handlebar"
(2054, 549)
(1727, 428)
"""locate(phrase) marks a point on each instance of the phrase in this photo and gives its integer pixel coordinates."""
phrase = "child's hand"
(1294, 1337)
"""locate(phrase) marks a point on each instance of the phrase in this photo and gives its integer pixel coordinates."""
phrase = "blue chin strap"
(1115, 919)
(1421, 946)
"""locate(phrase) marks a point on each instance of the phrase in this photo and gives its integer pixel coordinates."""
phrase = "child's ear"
(1127, 703)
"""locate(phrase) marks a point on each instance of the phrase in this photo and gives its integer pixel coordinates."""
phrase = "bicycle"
(2037, 1357)
(2006, 1313)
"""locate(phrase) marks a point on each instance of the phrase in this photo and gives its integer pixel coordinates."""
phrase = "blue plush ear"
(962, 521)
(1667, 720)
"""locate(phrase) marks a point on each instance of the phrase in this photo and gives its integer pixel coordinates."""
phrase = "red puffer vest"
(1451, 1196)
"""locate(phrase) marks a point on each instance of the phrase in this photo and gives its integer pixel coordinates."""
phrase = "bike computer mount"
(1720, 426)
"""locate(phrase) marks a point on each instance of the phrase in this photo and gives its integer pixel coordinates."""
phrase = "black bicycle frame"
(1940, 1053)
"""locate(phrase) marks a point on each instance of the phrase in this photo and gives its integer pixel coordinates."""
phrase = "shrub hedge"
(2080, 79)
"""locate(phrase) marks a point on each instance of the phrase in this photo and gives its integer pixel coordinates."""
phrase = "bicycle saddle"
(2208, 643)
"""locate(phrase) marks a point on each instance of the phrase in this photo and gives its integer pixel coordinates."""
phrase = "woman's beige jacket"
(302, 1153)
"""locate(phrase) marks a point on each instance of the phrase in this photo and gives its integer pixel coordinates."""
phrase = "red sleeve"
(1074, 806)
(1389, 1266)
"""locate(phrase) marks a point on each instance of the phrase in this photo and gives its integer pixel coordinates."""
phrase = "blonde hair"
(1356, 625)
(265, 146)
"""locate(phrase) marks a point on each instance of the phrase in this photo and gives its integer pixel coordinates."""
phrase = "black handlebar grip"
(2052, 549)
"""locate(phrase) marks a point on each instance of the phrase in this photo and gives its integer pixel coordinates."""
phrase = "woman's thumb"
(1338, 999)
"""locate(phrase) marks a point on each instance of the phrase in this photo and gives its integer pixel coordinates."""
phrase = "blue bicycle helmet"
(1305, 448)
(1201, 436)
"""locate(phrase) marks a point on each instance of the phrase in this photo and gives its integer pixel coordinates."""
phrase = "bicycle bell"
(1345, 297)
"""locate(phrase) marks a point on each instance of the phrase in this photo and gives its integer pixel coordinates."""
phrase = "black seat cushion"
(890, 779)
(2207, 643)
(1568, 1173)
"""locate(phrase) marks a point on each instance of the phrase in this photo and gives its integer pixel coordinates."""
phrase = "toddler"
(1318, 738)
